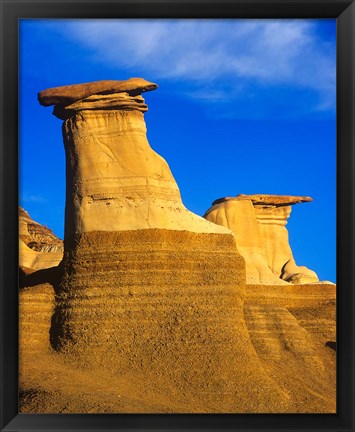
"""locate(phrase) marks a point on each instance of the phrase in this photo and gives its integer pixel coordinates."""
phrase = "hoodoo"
(259, 223)
(148, 288)
(115, 181)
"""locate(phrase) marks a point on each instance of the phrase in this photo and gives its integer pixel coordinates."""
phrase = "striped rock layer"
(151, 312)
(147, 287)
(293, 330)
(36, 307)
(39, 248)
(167, 306)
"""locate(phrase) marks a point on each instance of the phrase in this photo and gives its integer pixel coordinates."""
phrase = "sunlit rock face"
(115, 181)
(293, 330)
(39, 248)
(148, 288)
(259, 224)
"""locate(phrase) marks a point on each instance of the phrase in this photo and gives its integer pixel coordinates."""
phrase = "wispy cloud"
(223, 57)
(33, 199)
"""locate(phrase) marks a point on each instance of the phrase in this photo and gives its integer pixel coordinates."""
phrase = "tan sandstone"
(39, 248)
(115, 180)
(148, 289)
(293, 329)
(149, 311)
(259, 224)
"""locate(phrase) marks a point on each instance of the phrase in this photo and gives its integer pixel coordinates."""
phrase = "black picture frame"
(344, 12)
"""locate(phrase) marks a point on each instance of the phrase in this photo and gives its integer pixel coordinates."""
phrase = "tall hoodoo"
(115, 181)
(148, 287)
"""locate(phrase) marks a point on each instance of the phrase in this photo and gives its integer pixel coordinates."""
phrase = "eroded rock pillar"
(115, 180)
(259, 224)
(238, 214)
(149, 289)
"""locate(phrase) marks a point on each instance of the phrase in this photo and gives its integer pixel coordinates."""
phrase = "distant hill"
(39, 248)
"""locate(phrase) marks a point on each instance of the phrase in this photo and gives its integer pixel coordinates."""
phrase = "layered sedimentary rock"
(36, 236)
(148, 287)
(293, 329)
(259, 224)
(36, 307)
(39, 248)
(291, 318)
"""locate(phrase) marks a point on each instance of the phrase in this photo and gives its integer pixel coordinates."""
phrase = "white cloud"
(33, 199)
(211, 53)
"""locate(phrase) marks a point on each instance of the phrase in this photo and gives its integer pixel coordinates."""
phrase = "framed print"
(152, 153)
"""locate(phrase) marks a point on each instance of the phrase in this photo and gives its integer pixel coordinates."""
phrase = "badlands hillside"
(153, 309)
(39, 247)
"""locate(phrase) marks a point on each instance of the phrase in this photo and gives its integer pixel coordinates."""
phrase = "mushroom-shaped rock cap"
(275, 200)
(268, 200)
(66, 95)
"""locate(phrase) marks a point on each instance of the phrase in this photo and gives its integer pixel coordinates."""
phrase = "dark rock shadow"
(50, 275)
(332, 345)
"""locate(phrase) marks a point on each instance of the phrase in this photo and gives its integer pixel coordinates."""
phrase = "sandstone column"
(238, 214)
(115, 181)
(259, 223)
(272, 213)
(148, 288)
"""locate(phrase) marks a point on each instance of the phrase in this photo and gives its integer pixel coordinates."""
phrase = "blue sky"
(243, 106)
